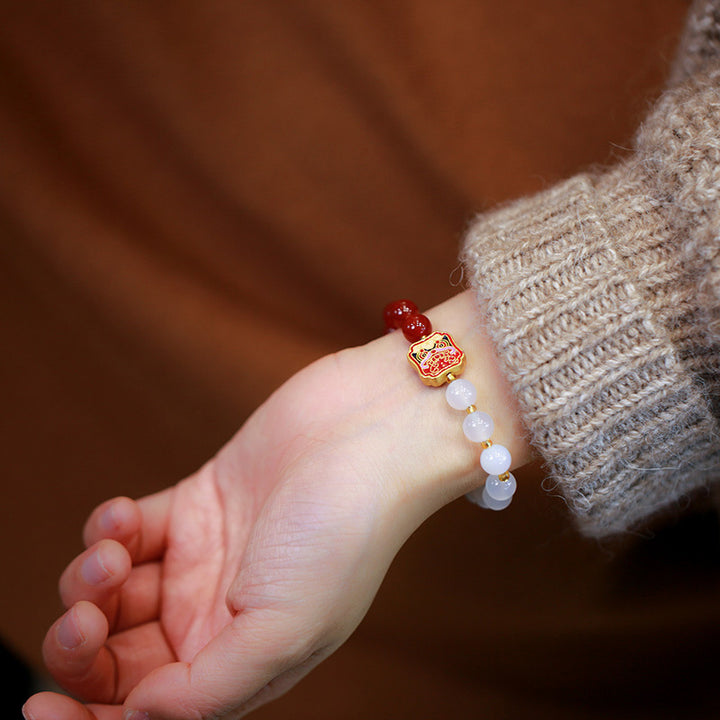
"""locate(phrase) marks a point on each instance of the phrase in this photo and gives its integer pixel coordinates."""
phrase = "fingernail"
(93, 570)
(135, 715)
(108, 520)
(68, 632)
(26, 713)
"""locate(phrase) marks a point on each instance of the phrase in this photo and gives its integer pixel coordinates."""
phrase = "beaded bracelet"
(438, 360)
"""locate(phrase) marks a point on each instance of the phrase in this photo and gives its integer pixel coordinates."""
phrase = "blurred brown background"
(177, 177)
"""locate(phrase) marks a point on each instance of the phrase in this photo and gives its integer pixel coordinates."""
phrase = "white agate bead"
(499, 489)
(480, 498)
(495, 460)
(492, 504)
(475, 497)
(478, 426)
(461, 394)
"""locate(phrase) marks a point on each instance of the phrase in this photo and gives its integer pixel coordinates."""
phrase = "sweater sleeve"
(602, 297)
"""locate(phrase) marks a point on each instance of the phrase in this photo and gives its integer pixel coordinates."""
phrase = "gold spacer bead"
(486, 444)
(504, 477)
(450, 377)
(470, 409)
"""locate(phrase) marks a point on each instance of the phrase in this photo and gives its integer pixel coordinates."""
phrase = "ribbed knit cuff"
(586, 301)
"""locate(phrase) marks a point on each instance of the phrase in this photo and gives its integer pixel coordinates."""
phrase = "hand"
(217, 595)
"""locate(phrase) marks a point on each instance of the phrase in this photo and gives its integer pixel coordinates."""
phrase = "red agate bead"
(396, 312)
(416, 327)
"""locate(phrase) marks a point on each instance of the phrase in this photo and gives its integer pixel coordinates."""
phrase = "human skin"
(218, 594)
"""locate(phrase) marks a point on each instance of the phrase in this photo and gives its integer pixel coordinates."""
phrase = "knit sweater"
(602, 296)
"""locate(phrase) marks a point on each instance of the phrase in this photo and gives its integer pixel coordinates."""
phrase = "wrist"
(429, 460)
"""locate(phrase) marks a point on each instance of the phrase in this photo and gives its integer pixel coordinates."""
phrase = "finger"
(137, 653)
(140, 525)
(117, 519)
(139, 600)
(245, 665)
(53, 706)
(127, 597)
(74, 652)
(95, 668)
(96, 575)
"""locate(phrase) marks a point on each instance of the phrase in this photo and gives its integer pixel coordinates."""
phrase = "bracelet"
(438, 360)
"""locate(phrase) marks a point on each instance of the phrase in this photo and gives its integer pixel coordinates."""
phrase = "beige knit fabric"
(700, 42)
(603, 298)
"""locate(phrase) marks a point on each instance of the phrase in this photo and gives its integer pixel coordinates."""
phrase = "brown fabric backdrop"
(197, 199)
